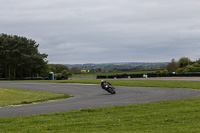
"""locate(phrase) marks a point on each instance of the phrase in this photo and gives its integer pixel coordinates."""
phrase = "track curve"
(89, 96)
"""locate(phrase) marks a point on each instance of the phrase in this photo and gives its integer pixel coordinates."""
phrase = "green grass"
(134, 83)
(173, 116)
(12, 96)
(137, 83)
(94, 75)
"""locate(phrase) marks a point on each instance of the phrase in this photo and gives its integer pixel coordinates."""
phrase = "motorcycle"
(108, 87)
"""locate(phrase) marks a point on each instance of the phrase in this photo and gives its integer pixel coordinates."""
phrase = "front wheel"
(111, 90)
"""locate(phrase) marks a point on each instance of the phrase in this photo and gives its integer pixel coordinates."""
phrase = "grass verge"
(136, 83)
(133, 83)
(12, 96)
(174, 116)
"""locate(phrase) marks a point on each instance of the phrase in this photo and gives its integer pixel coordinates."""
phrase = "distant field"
(93, 75)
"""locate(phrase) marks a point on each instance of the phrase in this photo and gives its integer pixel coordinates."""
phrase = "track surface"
(89, 96)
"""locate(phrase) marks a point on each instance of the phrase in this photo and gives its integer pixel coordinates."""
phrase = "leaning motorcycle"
(109, 88)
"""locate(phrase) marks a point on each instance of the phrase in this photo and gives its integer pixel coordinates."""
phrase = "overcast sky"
(101, 31)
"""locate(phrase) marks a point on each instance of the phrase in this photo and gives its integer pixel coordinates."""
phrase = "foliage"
(75, 70)
(96, 70)
(165, 71)
(183, 65)
(183, 62)
(191, 68)
(158, 71)
(58, 68)
(19, 57)
(45, 71)
(65, 73)
(180, 70)
(172, 66)
(197, 64)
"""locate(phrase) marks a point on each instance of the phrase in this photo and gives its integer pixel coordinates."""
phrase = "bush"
(180, 70)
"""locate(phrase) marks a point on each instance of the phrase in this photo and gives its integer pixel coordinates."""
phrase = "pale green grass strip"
(12, 96)
(175, 116)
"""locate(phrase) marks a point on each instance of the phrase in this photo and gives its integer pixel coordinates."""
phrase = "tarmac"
(91, 96)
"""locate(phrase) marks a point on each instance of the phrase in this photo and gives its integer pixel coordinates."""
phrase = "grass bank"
(12, 96)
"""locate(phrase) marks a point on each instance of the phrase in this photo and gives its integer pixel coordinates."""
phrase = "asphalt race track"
(89, 96)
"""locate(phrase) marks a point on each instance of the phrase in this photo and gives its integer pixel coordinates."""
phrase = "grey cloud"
(82, 31)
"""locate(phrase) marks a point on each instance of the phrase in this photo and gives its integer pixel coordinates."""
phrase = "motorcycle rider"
(103, 83)
(107, 86)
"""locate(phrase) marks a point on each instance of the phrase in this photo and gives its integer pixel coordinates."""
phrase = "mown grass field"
(174, 116)
(12, 96)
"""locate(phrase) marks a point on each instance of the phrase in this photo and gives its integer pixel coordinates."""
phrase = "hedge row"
(150, 75)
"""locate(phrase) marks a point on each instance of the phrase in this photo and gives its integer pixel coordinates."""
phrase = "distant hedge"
(150, 75)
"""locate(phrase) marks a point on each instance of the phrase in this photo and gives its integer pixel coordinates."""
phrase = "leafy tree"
(94, 70)
(75, 70)
(58, 68)
(65, 73)
(158, 71)
(45, 70)
(196, 64)
(186, 65)
(19, 57)
(172, 66)
(164, 71)
(180, 70)
(183, 62)
(198, 61)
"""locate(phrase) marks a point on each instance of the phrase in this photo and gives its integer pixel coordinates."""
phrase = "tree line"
(19, 57)
(183, 65)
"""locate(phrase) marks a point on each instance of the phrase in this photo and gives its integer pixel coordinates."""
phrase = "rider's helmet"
(102, 81)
